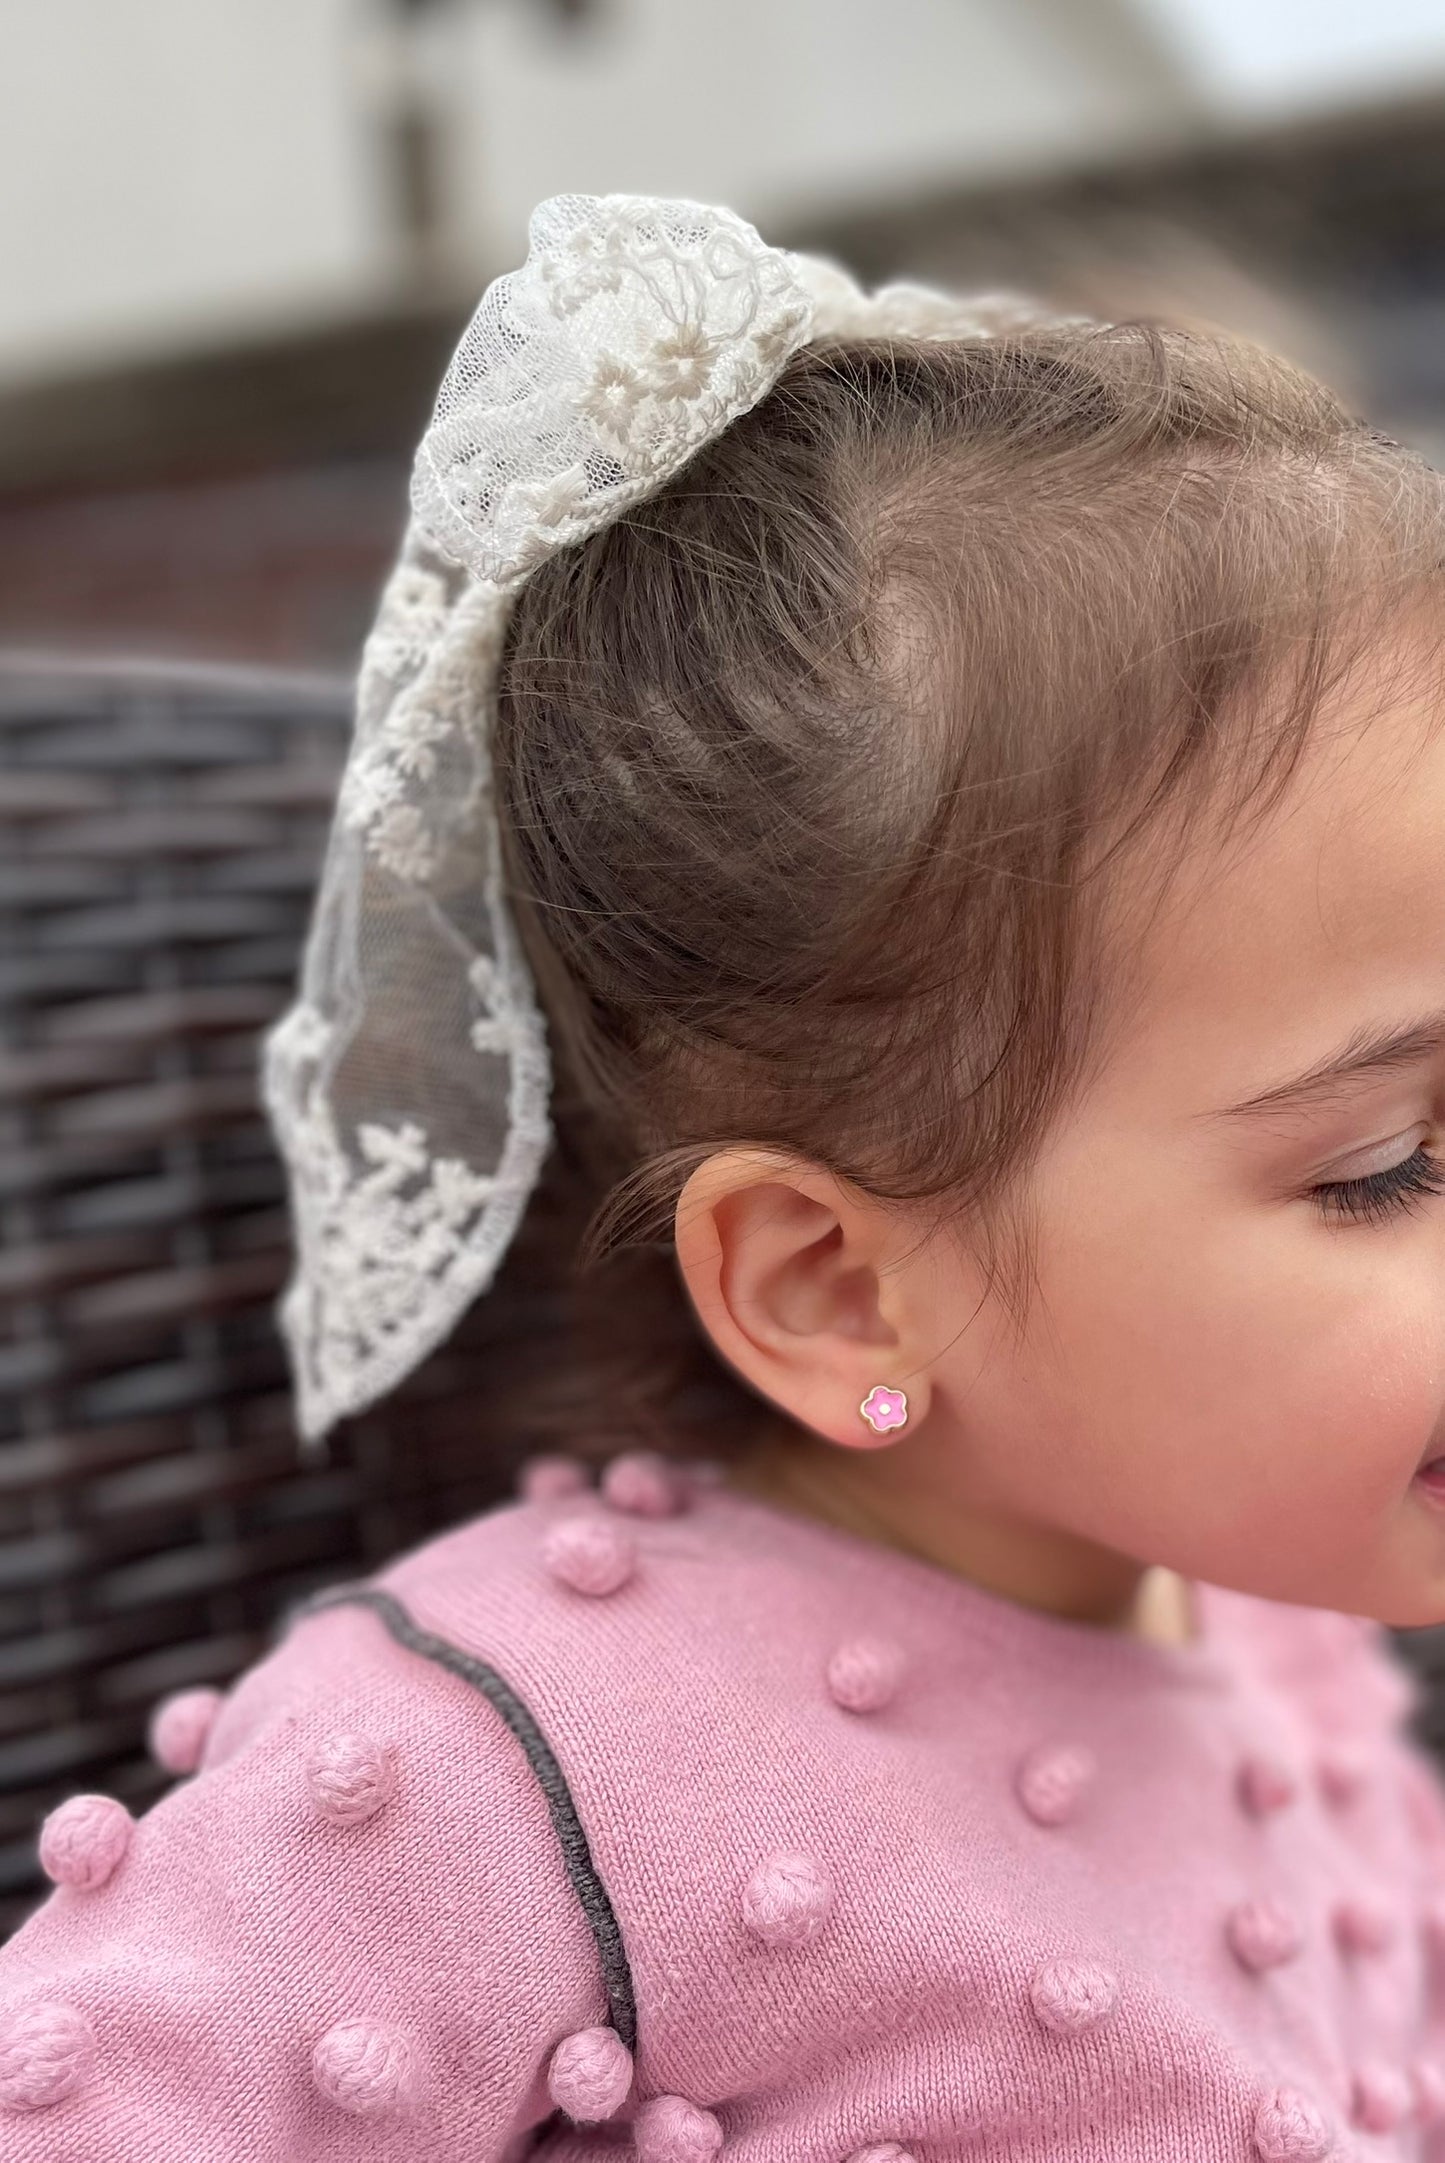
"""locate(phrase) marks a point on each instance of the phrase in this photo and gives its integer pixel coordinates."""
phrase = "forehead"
(1271, 945)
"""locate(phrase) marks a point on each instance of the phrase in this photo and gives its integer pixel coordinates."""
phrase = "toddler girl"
(963, 788)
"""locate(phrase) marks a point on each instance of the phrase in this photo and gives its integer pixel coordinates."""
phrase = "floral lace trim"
(393, 1240)
(634, 331)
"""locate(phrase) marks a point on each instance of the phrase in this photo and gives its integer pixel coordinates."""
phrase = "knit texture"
(655, 1821)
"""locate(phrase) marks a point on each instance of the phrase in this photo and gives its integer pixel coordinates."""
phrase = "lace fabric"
(408, 1084)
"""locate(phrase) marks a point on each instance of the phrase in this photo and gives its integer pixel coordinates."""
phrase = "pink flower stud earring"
(884, 1409)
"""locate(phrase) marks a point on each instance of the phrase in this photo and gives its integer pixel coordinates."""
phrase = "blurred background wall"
(240, 236)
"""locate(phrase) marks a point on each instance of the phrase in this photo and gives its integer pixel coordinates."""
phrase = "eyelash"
(1383, 1194)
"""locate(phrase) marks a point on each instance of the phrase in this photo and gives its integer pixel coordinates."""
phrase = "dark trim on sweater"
(588, 1886)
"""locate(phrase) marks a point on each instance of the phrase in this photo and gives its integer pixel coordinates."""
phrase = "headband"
(408, 1082)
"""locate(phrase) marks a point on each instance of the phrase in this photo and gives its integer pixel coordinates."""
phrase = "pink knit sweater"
(660, 1821)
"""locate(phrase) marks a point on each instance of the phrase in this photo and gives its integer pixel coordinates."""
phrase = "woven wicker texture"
(160, 833)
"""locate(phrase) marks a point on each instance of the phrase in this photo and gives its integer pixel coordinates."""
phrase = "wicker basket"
(160, 832)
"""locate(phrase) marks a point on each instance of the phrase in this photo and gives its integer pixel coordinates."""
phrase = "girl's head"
(981, 768)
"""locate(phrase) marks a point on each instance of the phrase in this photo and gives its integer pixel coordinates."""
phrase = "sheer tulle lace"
(409, 1082)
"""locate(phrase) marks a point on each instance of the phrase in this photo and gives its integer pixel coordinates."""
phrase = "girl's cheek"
(1314, 1396)
(1377, 1385)
(1401, 1384)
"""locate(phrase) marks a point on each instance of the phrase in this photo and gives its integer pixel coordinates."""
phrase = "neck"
(883, 1495)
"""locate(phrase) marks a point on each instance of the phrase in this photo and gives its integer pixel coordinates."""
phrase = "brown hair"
(808, 766)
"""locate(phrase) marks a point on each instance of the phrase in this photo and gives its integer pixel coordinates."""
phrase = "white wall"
(772, 105)
(173, 170)
(1270, 58)
(177, 173)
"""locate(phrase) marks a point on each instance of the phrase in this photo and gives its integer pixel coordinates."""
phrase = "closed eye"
(1383, 1194)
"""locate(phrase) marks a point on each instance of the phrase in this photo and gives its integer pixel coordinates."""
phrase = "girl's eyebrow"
(1366, 1053)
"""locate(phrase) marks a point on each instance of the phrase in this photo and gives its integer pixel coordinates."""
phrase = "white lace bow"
(408, 1083)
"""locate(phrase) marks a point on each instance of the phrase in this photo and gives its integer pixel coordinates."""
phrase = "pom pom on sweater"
(1288, 2128)
(552, 1478)
(1054, 1779)
(1427, 2082)
(671, 2130)
(1265, 1785)
(1263, 1933)
(1381, 2097)
(1362, 1925)
(366, 2067)
(179, 1727)
(644, 1483)
(864, 1673)
(589, 2074)
(82, 1842)
(46, 2051)
(349, 1777)
(1341, 1773)
(589, 1554)
(1071, 1995)
(787, 1899)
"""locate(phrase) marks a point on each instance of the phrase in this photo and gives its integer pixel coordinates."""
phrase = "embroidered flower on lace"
(413, 730)
(415, 755)
(494, 1034)
(402, 751)
(378, 1237)
(412, 615)
(391, 1232)
(682, 363)
(400, 840)
(553, 501)
(591, 263)
(500, 1029)
(371, 784)
(773, 343)
(612, 397)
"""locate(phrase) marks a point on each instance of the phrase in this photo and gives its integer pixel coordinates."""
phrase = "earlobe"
(787, 1272)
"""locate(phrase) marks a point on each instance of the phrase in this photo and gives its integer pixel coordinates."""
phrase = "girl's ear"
(789, 1272)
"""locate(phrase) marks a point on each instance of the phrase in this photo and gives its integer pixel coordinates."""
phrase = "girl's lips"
(1431, 1477)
